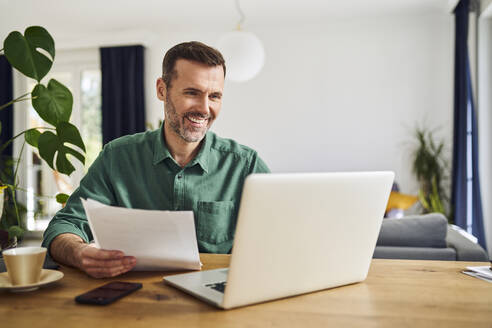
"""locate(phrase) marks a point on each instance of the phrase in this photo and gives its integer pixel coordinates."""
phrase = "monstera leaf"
(31, 136)
(54, 103)
(23, 54)
(50, 144)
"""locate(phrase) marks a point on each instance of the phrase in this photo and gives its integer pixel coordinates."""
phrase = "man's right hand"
(99, 263)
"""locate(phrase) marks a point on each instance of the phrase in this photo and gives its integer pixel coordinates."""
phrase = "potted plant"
(431, 170)
(32, 54)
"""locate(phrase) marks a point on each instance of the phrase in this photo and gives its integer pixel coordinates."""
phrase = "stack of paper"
(160, 240)
(480, 272)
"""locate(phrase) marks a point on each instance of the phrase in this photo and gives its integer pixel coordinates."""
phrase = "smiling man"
(181, 166)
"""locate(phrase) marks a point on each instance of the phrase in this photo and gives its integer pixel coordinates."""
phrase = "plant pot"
(5, 242)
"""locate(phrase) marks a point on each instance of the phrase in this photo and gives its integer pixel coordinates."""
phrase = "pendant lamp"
(242, 51)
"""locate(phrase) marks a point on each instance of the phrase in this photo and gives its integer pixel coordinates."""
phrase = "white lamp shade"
(243, 54)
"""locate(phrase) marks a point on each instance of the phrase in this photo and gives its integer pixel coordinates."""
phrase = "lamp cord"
(241, 13)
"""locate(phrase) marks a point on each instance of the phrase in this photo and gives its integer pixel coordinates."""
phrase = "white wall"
(340, 95)
(343, 95)
(485, 5)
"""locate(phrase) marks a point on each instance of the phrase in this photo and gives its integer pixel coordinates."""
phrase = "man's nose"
(203, 106)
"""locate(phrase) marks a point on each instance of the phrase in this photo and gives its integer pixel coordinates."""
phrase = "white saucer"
(47, 277)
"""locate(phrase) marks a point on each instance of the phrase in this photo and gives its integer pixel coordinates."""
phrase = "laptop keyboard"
(218, 286)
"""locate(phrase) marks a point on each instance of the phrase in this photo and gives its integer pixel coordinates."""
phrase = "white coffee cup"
(24, 264)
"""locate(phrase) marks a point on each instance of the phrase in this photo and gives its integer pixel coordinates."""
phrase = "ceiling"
(85, 17)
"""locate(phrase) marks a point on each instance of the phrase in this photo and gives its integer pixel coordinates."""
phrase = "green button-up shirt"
(138, 171)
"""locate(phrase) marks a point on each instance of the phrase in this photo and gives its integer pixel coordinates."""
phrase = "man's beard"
(178, 125)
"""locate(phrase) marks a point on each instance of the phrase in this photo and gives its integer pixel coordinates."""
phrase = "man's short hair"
(194, 51)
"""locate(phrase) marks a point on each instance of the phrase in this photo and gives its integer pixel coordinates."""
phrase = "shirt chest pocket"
(215, 221)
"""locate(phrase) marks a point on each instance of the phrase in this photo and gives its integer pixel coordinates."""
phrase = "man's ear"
(161, 89)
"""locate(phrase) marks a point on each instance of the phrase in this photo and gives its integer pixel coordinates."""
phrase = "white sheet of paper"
(160, 240)
(482, 270)
(477, 275)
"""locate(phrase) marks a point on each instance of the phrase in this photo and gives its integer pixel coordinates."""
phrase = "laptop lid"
(303, 232)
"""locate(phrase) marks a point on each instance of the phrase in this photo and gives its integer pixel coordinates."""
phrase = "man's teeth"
(196, 120)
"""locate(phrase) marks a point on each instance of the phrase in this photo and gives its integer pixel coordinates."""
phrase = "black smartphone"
(108, 293)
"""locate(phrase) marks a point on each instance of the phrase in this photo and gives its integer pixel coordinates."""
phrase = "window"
(91, 115)
(79, 71)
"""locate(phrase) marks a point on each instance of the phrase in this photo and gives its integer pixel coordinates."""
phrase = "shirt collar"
(203, 156)
(161, 152)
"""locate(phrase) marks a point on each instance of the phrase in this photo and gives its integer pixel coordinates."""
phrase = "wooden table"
(397, 293)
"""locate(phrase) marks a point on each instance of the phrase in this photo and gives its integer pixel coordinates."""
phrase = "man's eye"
(216, 97)
(191, 93)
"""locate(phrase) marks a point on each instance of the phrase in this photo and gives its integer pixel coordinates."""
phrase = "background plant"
(431, 170)
(32, 54)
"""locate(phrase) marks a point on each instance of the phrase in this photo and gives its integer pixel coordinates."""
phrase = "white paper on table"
(482, 270)
(477, 275)
(160, 240)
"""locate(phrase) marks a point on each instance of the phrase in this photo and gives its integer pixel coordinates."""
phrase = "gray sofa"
(425, 237)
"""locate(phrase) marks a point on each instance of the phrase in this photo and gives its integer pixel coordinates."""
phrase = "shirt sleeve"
(95, 185)
(258, 165)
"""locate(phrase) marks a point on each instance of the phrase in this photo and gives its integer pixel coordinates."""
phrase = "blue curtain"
(123, 106)
(464, 119)
(6, 115)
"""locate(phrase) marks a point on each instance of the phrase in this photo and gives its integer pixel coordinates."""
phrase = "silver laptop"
(296, 233)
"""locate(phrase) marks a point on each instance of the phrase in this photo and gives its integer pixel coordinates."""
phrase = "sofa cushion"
(414, 231)
(415, 253)
(466, 250)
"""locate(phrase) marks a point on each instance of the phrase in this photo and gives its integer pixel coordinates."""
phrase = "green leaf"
(70, 133)
(75, 153)
(63, 165)
(31, 136)
(61, 198)
(50, 144)
(422, 200)
(15, 231)
(22, 51)
(53, 104)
